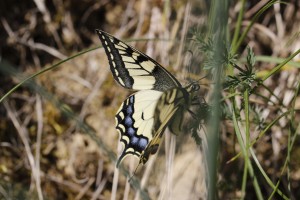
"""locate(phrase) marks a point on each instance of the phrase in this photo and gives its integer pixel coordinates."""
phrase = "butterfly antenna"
(197, 81)
(202, 78)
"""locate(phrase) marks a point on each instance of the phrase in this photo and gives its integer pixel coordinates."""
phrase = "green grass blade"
(4, 64)
(256, 16)
(278, 67)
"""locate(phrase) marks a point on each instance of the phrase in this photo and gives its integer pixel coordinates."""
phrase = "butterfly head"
(193, 87)
(192, 90)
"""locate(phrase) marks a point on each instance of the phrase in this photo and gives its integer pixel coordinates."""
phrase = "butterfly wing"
(133, 69)
(134, 122)
(170, 104)
(143, 118)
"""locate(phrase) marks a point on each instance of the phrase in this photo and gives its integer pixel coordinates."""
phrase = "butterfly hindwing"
(135, 122)
(133, 69)
(143, 118)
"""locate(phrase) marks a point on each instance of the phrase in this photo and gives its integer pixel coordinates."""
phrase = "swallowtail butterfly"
(159, 103)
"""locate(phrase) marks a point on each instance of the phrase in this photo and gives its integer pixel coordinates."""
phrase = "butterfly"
(159, 103)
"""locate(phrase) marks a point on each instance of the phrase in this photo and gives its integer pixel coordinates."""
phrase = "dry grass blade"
(25, 140)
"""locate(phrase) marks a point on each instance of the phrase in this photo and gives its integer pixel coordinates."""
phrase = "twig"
(146, 174)
(39, 113)
(24, 138)
(115, 178)
(187, 14)
(47, 19)
(85, 188)
(99, 172)
(4, 193)
(279, 22)
(255, 9)
(99, 189)
(31, 43)
(71, 185)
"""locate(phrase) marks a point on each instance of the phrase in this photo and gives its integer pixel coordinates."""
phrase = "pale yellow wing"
(135, 122)
(133, 69)
(167, 108)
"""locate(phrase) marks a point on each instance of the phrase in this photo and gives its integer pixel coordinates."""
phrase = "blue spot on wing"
(139, 143)
(129, 110)
(131, 100)
(134, 140)
(130, 131)
(128, 121)
(129, 137)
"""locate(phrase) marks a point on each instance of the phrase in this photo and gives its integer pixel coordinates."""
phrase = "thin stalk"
(218, 19)
(41, 71)
(269, 181)
(247, 124)
(258, 14)
(244, 152)
(261, 134)
(238, 24)
(278, 67)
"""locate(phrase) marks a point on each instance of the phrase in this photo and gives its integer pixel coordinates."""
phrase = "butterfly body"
(160, 101)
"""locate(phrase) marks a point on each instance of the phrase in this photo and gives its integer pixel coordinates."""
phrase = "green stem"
(256, 16)
(278, 67)
(238, 24)
(247, 124)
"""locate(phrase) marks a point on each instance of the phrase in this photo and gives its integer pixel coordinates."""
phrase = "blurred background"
(57, 132)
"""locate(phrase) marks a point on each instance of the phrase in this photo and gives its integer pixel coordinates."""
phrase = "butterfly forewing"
(133, 69)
